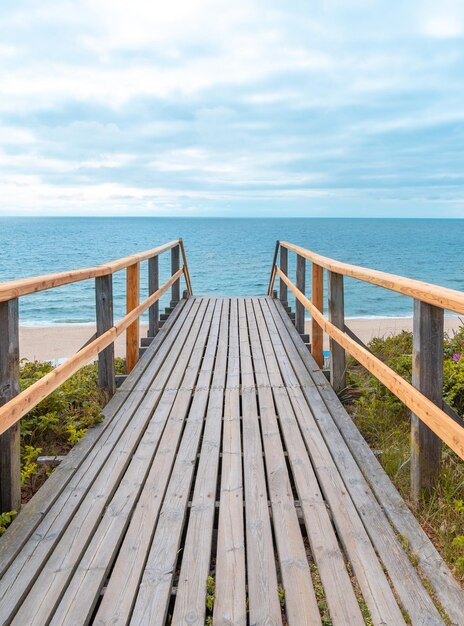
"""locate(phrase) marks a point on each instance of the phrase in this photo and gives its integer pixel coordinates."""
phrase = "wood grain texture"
(132, 302)
(442, 425)
(283, 291)
(10, 475)
(175, 261)
(317, 298)
(230, 604)
(30, 397)
(24, 286)
(432, 294)
(402, 573)
(130, 533)
(427, 377)
(301, 285)
(153, 286)
(105, 321)
(337, 318)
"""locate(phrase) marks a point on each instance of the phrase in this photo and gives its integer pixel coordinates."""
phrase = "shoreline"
(54, 343)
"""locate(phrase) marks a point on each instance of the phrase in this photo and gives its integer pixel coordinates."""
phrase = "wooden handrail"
(437, 420)
(430, 425)
(442, 297)
(14, 405)
(12, 411)
(24, 286)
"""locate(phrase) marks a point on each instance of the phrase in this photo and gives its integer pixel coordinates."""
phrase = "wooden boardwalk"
(225, 453)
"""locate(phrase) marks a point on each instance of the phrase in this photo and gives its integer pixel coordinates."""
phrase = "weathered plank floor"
(225, 453)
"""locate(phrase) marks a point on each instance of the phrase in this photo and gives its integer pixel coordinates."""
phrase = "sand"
(59, 342)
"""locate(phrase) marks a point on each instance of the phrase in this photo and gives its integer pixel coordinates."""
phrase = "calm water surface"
(226, 256)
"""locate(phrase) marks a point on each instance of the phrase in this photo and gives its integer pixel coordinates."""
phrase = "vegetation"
(385, 423)
(55, 425)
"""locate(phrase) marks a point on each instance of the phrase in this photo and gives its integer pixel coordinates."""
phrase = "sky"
(232, 108)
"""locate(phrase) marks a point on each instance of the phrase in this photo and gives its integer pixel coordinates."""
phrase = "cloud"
(212, 107)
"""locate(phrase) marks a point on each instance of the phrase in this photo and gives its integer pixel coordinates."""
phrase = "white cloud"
(155, 106)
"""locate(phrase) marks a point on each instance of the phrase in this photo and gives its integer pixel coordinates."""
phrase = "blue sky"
(202, 107)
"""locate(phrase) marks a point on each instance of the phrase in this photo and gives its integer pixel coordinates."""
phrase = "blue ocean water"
(226, 256)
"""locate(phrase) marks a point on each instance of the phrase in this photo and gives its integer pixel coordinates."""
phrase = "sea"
(226, 256)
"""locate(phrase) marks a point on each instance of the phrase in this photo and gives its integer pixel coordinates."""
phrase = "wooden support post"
(10, 465)
(105, 321)
(283, 294)
(153, 285)
(317, 298)
(133, 331)
(427, 377)
(301, 285)
(337, 317)
(175, 289)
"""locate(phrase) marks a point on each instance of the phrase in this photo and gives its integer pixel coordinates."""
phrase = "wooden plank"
(402, 573)
(427, 377)
(301, 285)
(442, 297)
(342, 603)
(122, 434)
(132, 301)
(430, 563)
(84, 588)
(300, 600)
(24, 286)
(175, 261)
(153, 596)
(230, 603)
(262, 577)
(36, 509)
(191, 589)
(284, 268)
(337, 318)
(444, 426)
(317, 298)
(105, 321)
(30, 397)
(10, 471)
(153, 286)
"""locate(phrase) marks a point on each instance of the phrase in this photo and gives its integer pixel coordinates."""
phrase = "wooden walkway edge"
(224, 454)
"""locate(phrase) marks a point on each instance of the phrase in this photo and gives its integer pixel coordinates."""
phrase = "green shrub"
(385, 424)
(55, 425)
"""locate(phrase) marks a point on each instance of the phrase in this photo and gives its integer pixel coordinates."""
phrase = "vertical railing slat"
(317, 298)
(283, 290)
(337, 317)
(133, 331)
(427, 377)
(10, 463)
(105, 320)
(301, 285)
(153, 285)
(175, 265)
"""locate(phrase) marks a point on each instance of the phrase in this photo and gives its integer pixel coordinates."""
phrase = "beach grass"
(385, 424)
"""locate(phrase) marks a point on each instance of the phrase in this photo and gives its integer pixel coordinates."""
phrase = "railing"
(430, 424)
(14, 405)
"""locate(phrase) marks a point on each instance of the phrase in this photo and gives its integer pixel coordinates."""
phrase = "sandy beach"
(59, 342)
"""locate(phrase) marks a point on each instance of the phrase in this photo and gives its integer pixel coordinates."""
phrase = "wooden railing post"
(10, 463)
(283, 291)
(153, 285)
(317, 298)
(133, 331)
(337, 317)
(175, 264)
(105, 321)
(427, 377)
(301, 285)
